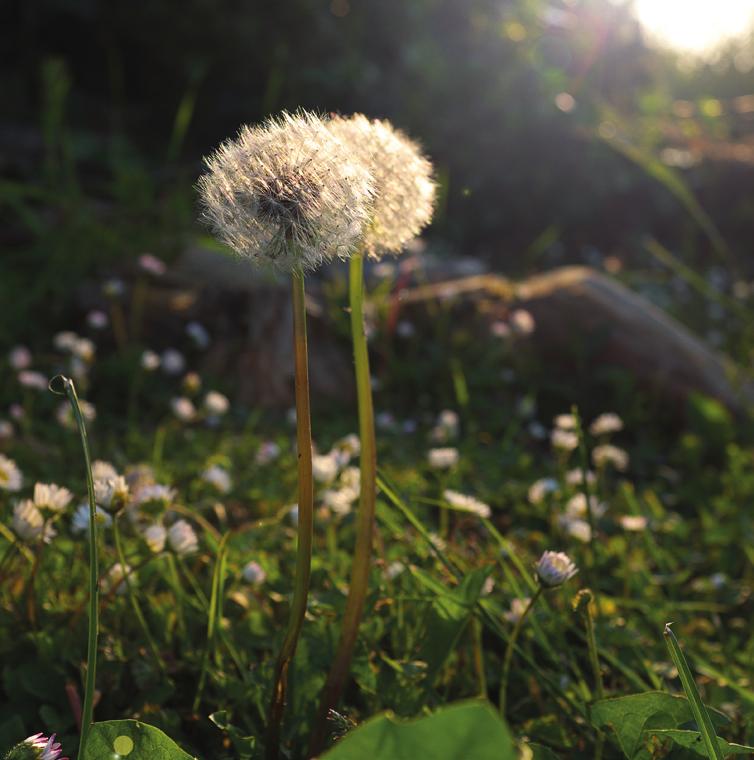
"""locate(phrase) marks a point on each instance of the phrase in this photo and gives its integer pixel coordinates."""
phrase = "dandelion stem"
(87, 711)
(359, 585)
(511, 646)
(305, 519)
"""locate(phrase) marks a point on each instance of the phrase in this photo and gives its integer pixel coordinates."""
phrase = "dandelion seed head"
(404, 188)
(287, 193)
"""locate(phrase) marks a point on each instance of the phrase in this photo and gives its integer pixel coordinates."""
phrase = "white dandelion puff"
(287, 193)
(404, 188)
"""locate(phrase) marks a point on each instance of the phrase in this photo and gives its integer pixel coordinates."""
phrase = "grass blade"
(701, 715)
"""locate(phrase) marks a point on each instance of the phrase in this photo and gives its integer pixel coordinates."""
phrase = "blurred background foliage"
(559, 134)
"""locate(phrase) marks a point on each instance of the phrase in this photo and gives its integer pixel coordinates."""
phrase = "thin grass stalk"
(214, 613)
(305, 519)
(362, 555)
(132, 596)
(87, 712)
(508, 658)
(584, 606)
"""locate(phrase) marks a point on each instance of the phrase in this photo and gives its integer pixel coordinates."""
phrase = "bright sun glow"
(695, 25)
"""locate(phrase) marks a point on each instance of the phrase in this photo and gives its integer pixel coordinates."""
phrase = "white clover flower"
(97, 319)
(541, 488)
(183, 408)
(172, 361)
(351, 478)
(111, 493)
(37, 747)
(151, 264)
(6, 431)
(608, 454)
(84, 349)
(191, 383)
(20, 358)
(465, 503)
(268, 452)
(565, 422)
(350, 445)
(64, 414)
(576, 506)
(102, 470)
(52, 497)
(442, 458)
(404, 189)
(80, 519)
(446, 427)
(115, 578)
(522, 322)
(64, 341)
(576, 528)
(11, 478)
(287, 193)
(154, 492)
(324, 467)
(182, 538)
(394, 569)
(565, 440)
(633, 523)
(198, 333)
(32, 379)
(114, 287)
(554, 569)
(29, 523)
(385, 420)
(575, 477)
(218, 477)
(606, 423)
(155, 536)
(253, 573)
(340, 500)
(513, 615)
(537, 430)
(216, 403)
(150, 361)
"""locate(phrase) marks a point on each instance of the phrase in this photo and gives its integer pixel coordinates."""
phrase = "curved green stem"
(359, 585)
(87, 712)
(511, 646)
(305, 520)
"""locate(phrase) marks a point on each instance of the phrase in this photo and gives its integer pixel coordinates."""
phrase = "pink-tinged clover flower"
(554, 569)
(37, 747)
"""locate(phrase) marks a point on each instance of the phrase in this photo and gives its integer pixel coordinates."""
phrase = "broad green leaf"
(630, 716)
(467, 729)
(130, 740)
(693, 740)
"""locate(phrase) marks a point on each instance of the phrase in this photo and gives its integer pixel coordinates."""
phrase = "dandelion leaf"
(467, 729)
(131, 740)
